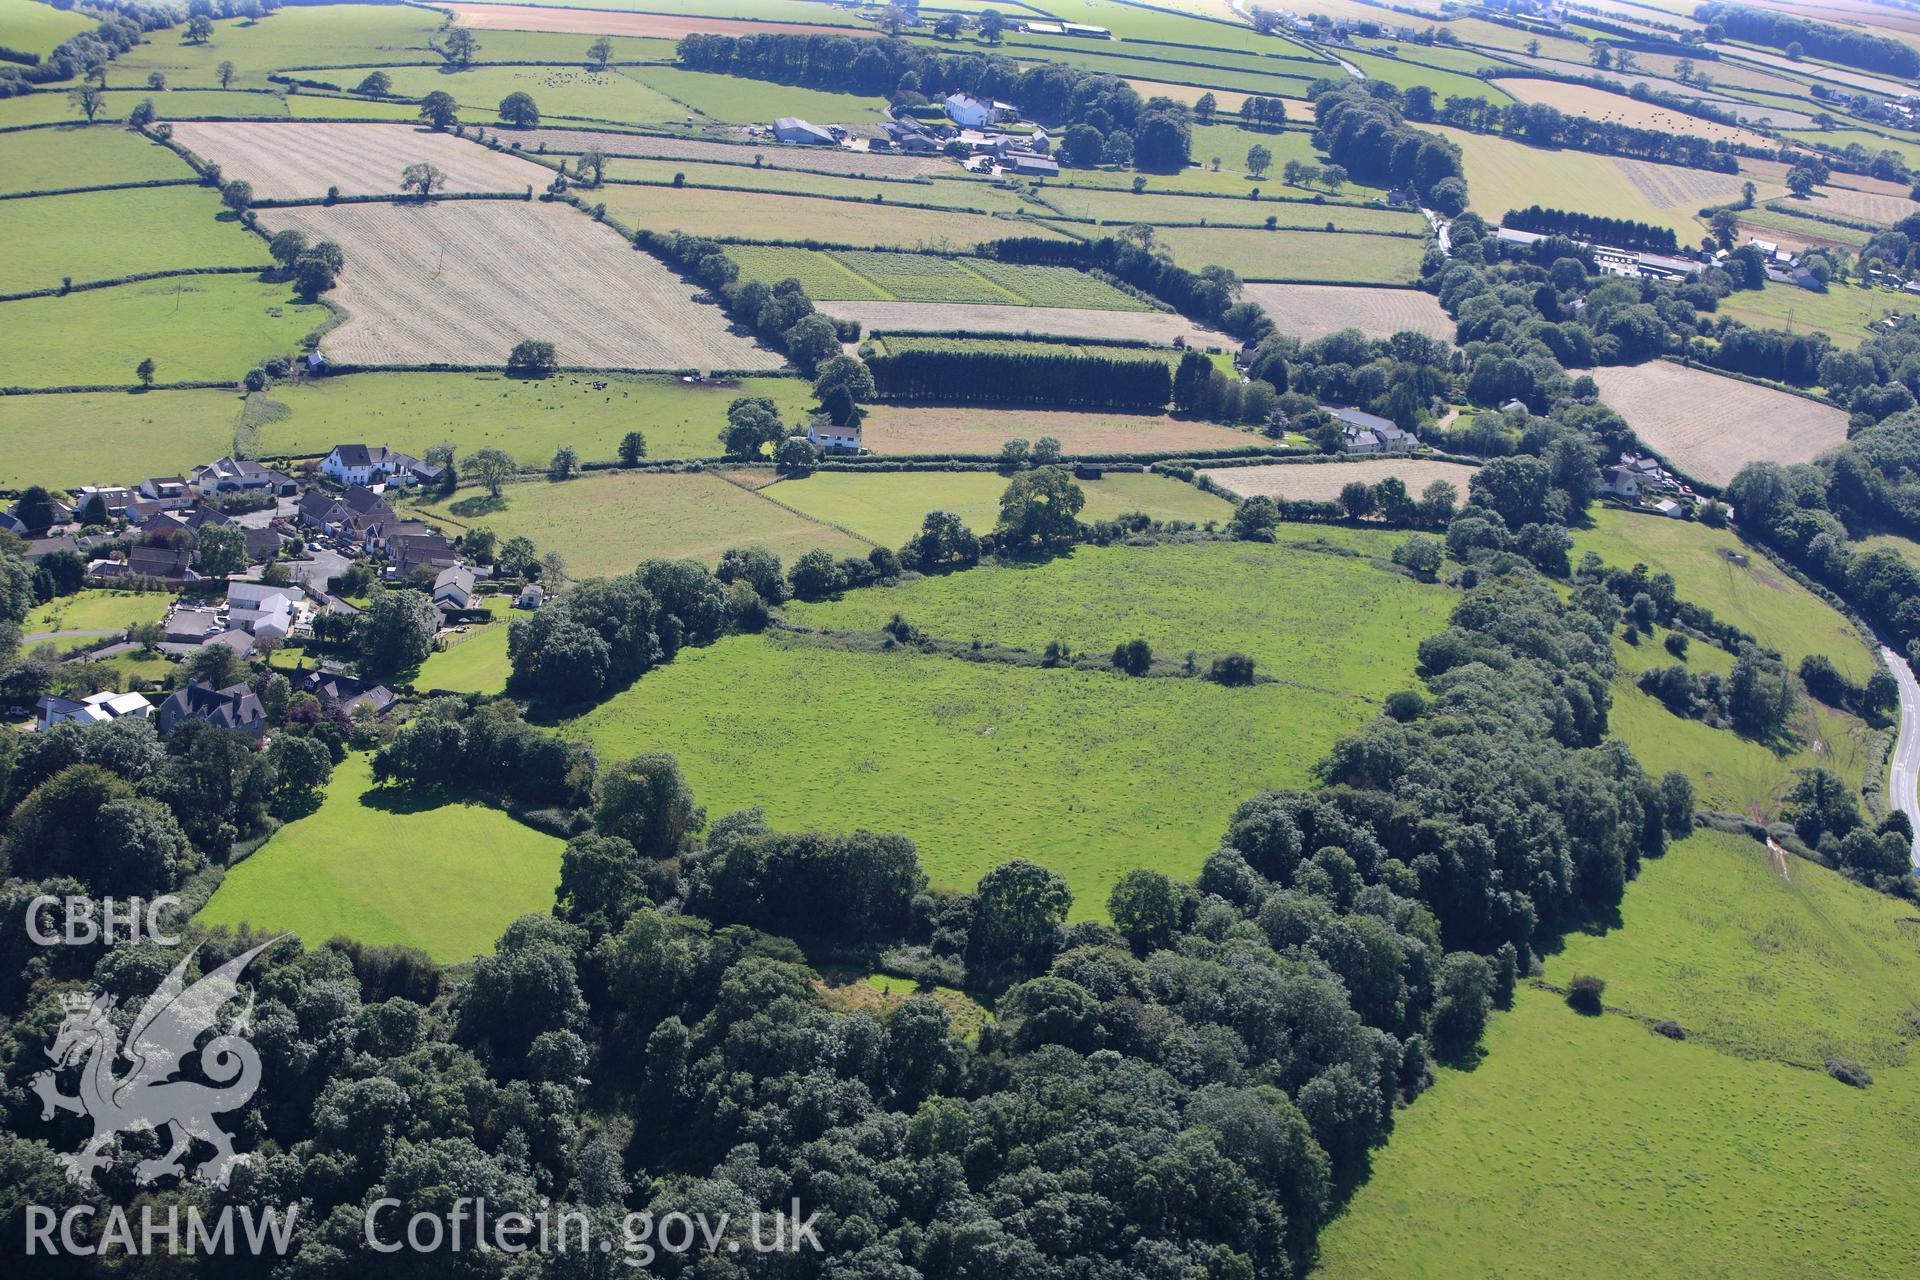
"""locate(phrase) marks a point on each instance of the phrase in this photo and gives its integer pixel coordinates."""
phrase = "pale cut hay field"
(1322, 481)
(299, 160)
(1710, 426)
(463, 282)
(1311, 311)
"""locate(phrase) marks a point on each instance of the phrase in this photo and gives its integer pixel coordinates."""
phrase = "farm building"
(824, 435)
(1086, 31)
(795, 130)
(1030, 165)
(1371, 433)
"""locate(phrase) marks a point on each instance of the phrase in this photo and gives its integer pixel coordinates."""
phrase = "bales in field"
(1710, 426)
(300, 159)
(461, 283)
(1309, 311)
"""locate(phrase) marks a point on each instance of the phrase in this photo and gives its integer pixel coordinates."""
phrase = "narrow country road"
(1904, 771)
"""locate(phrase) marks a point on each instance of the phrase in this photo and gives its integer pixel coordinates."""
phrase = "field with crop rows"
(765, 152)
(463, 282)
(299, 160)
(1314, 310)
(1065, 322)
(1710, 426)
(1298, 255)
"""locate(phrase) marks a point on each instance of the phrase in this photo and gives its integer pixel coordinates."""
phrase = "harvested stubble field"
(1710, 426)
(963, 194)
(819, 159)
(750, 215)
(537, 17)
(861, 275)
(82, 156)
(608, 522)
(1322, 481)
(1063, 322)
(940, 430)
(1314, 310)
(462, 282)
(1859, 206)
(1617, 108)
(301, 159)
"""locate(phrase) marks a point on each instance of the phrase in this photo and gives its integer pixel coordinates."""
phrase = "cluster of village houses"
(343, 509)
(975, 124)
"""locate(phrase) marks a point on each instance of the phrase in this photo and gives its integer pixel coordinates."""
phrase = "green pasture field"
(79, 156)
(1156, 64)
(1800, 969)
(608, 522)
(38, 28)
(576, 92)
(1873, 141)
(754, 216)
(1055, 286)
(1492, 35)
(1312, 618)
(1762, 219)
(919, 277)
(63, 440)
(1087, 772)
(944, 430)
(1231, 143)
(1124, 207)
(1466, 62)
(327, 106)
(1405, 75)
(888, 508)
(530, 418)
(1503, 174)
(1298, 255)
(1846, 313)
(96, 610)
(103, 235)
(393, 868)
(738, 100)
(1591, 1148)
(1756, 597)
(195, 328)
(977, 196)
(819, 272)
(1732, 774)
(50, 106)
(329, 36)
(475, 663)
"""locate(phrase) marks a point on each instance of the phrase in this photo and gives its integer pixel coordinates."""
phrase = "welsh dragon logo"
(147, 1096)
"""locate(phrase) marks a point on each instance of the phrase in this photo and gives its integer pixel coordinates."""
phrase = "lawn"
(195, 328)
(387, 867)
(530, 418)
(609, 522)
(96, 610)
(1089, 773)
(765, 216)
(1755, 596)
(1298, 255)
(1846, 313)
(82, 156)
(1313, 618)
(85, 237)
(473, 663)
(888, 508)
(63, 440)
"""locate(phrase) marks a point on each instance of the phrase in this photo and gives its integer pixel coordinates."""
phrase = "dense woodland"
(1796, 35)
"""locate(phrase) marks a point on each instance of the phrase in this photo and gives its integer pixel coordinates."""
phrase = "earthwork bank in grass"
(888, 507)
(463, 282)
(390, 868)
(1089, 773)
(528, 417)
(1710, 426)
(194, 328)
(608, 522)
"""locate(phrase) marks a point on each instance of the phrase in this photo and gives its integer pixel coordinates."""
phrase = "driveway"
(1904, 771)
